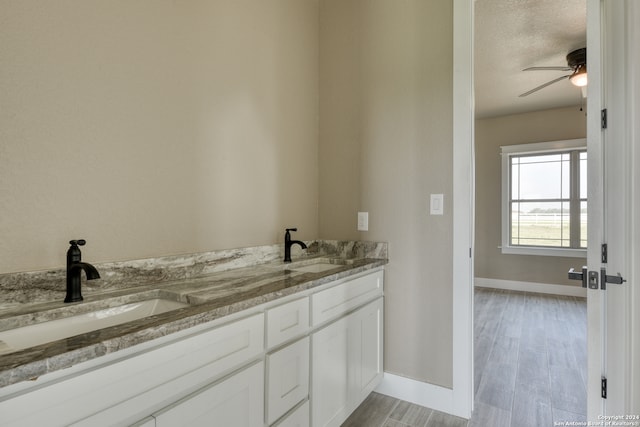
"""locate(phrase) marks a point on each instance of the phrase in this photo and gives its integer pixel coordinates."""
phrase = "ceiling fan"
(576, 62)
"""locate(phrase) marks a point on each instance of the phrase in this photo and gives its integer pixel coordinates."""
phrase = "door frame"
(464, 203)
(463, 207)
(633, 129)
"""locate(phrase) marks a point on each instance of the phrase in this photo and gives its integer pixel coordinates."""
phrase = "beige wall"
(386, 132)
(549, 125)
(161, 127)
(155, 127)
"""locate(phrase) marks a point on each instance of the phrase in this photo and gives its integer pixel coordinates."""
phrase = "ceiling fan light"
(579, 77)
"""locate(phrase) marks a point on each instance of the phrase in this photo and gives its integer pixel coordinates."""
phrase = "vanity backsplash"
(49, 285)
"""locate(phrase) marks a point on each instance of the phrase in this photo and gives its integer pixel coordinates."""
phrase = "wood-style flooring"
(530, 359)
(530, 356)
(379, 410)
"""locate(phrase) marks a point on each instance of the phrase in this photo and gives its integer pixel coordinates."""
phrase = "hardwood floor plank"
(533, 369)
(560, 353)
(410, 414)
(510, 327)
(487, 415)
(563, 417)
(556, 329)
(534, 338)
(482, 350)
(579, 348)
(393, 423)
(568, 392)
(497, 385)
(504, 350)
(440, 419)
(374, 411)
(531, 406)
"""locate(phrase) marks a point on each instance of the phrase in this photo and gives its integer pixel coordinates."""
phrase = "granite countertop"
(210, 297)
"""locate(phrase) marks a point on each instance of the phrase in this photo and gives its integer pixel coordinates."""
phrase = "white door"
(608, 194)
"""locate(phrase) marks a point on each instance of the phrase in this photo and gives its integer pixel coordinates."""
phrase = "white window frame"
(533, 148)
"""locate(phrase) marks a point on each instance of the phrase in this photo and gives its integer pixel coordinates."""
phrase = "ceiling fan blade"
(542, 86)
(565, 68)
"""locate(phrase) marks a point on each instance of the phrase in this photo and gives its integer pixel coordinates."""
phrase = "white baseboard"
(542, 288)
(424, 394)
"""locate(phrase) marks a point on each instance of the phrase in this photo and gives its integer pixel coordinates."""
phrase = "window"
(544, 198)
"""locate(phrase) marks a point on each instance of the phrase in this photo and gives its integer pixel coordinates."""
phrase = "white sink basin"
(316, 268)
(53, 330)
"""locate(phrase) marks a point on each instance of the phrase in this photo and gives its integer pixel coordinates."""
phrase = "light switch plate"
(363, 221)
(437, 202)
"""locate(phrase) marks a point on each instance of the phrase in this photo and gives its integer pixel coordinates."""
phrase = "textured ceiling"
(511, 35)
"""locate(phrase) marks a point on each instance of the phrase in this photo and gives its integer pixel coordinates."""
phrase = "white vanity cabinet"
(306, 359)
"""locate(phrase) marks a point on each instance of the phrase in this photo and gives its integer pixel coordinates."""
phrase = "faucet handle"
(79, 242)
(292, 229)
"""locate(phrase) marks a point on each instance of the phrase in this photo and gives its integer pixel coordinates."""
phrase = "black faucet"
(74, 266)
(288, 243)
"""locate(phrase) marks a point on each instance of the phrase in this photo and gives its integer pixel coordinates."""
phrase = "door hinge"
(603, 118)
(604, 252)
(603, 387)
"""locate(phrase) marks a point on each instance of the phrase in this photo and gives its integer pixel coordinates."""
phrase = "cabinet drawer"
(237, 401)
(288, 378)
(335, 301)
(298, 418)
(134, 387)
(287, 321)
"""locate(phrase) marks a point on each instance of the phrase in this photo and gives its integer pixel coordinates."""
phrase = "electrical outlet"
(363, 221)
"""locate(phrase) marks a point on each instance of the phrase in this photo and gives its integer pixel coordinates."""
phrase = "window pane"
(540, 224)
(541, 158)
(583, 224)
(566, 176)
(515, 178)
(583, 175)
(541, 177)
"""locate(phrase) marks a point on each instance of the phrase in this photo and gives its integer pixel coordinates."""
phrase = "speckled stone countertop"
(214, 284)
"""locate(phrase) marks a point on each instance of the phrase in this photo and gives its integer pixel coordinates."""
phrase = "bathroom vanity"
(304, 346)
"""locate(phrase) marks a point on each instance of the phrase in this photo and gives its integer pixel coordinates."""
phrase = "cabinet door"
(366, 350)
(330, 355)
(346, 364)
(237, 401)
(288, 378)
